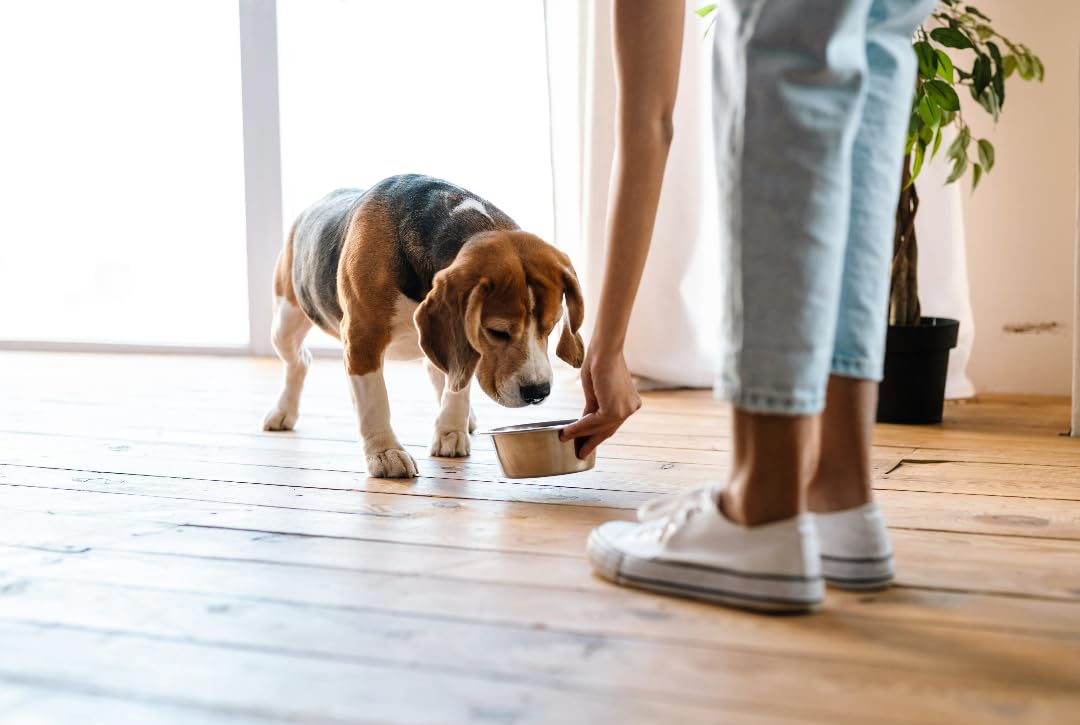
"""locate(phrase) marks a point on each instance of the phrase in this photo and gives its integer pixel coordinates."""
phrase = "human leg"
(753, 547)
(842, 476)
(856, 552)
(805, 89)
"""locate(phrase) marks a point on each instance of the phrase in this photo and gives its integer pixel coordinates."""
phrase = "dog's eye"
(500, 335)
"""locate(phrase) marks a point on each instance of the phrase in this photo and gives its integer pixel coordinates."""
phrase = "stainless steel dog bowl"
(533, 450)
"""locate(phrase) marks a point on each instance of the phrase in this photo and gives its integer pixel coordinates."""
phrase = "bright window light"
(456, 90)
(121, 178)
(121, 172)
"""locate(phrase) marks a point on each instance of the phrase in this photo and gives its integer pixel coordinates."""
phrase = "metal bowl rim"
(546, 425)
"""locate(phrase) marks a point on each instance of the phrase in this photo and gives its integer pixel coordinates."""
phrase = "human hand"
(610, 398)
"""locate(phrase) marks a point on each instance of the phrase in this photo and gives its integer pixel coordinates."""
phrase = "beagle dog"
(418, 267)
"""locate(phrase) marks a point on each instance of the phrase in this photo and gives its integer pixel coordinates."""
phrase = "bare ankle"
(747, 510)
(772, 458)
(842, 478)
(837, 494)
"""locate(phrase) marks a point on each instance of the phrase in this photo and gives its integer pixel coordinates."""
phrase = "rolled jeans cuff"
(771, 402)
(859, 368)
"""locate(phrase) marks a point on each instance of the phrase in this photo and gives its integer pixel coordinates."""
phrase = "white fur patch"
(405, 340)
(290, 327)
(536, 369)
(472, 204)
(373, 410)
(386, 458)
(454, 421)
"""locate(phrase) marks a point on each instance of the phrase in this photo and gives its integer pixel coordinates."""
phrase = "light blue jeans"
(811, 103)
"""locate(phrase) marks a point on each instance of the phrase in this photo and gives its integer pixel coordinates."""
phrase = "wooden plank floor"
(163, 560)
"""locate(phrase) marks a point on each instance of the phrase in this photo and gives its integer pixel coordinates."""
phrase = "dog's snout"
(535, 393)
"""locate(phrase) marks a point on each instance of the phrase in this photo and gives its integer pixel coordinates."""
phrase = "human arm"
(648, 49)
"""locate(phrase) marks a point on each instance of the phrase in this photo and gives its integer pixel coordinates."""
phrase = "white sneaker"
(693, 550)
(855, 550)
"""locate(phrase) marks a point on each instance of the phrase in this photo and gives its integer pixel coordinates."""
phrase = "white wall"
(1021, 222)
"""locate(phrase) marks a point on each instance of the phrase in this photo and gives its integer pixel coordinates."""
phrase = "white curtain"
(943, 276)
(673, 337)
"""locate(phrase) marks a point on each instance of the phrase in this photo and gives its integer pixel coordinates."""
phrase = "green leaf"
(986, 154)
(960, 143)
(928, 61)
(944, 65)
(951, 38)
(985, 32)
(1024, 66)
(989, 101)
(959, 167)
(937, 143)
(998, 80)
(1008, 64)
(943, 95)
(916, 166)
(976, 174)
(926, 135)
(705, 9)
(914, 123)
(911, 139)
(971, 10)
(981, 74)
(929, 112)
(1040, 69)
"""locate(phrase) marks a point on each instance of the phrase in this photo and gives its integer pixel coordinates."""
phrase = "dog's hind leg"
(456, 419)
(438, 382)
(287, 333)
(290, 327)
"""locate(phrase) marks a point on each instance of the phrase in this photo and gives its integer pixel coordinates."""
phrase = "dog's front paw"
(280, 418)
(450, 444)
(392, 463)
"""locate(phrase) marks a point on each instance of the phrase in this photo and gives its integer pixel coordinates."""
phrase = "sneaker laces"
(660, 519)
(667, 505)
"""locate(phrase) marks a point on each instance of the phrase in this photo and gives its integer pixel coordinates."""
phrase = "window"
(122, 139)
(456, 90)
(122, 173)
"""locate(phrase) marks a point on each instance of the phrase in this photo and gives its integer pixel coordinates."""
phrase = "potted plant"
(917, 347)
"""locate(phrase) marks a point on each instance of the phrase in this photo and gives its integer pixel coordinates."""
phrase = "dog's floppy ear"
(571, 348)
(448, 321)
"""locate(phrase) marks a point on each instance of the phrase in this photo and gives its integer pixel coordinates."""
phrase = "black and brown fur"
(352, 255)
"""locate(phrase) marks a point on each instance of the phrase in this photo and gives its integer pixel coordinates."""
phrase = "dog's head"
(491, 312)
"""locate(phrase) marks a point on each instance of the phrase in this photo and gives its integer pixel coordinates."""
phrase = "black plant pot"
(916, 361)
